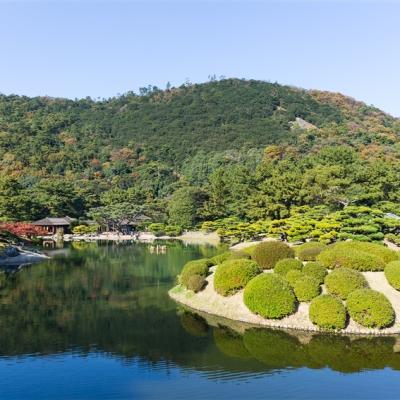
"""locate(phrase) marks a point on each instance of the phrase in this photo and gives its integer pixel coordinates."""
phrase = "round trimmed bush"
(315, 270)
(309, 251)
(267, 254)
(233, 275)
(270, 296)
(306, 288)
(293, 275)
(370, 308)
(328, 312)
(195, 283)
(392, 273)
(192, 268)
(220, 258)
(379, 250)
(343, 281)
(282, 267)
(237, 255)
(352, 255)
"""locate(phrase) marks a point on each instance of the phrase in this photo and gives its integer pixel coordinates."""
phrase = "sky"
(103, 48)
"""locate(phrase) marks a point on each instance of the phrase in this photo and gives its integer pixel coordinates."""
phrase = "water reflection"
(112, 299)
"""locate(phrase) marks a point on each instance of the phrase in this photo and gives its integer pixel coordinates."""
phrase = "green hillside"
(220, 149)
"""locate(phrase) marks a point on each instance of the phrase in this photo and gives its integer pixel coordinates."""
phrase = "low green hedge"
(192, 273)
(315, 270)
(340, 255)
(328, 312)
(343, 281)
(270, 296)
(370, 308)
(220, 258)
(309, 251)
(267, 254)
(233, 275)
(293, 275)
(306, 288)
(282, 267)
(392, 273)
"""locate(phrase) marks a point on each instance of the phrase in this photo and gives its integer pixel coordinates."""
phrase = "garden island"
(349, 286)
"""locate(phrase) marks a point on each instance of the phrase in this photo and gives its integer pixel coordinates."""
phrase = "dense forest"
(227, 150)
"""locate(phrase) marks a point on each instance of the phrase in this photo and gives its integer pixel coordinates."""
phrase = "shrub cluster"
(328, 312)
(342, 255)
(370, 308)
(392, 273)
(379, 250)
(237, 255)
(309, 251)
(220, 258)
(233, 275)
(315, 270)
(306, 288)
(282, 267)
(293, 275)
(270, 296)
(194, 273)
(267, 254)
(343, 281)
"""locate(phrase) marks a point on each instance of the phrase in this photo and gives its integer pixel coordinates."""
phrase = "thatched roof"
(48, 221)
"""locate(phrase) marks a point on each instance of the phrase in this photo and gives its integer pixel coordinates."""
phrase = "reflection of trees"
(277, 349)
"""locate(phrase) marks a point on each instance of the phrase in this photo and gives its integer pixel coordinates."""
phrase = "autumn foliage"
(22, 229)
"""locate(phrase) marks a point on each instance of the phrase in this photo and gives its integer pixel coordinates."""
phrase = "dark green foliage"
(309, 251)
(349, 256)
(194, 324)
(267, 254)
(315, 270)
(270, 296)
(306, 288)
(370, 308)
(233, 275)
(343, 281)
(392, 273)
(328, 312)
(283, 266)
(230, 343)
(196, 268)
(293, 275)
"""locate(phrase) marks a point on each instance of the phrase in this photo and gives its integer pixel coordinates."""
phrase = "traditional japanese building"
(54, 225)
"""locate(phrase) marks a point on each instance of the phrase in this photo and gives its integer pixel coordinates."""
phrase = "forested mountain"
(248, 149)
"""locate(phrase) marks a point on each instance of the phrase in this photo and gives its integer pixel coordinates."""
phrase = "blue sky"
(102, 48)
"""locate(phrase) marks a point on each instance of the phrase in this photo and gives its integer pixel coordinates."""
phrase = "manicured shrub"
(266, 254)
(293, 275)
(309, 251)
(315, 270)
(343, 281)
(196, 283)
(237, 255)
(370, 308)
(270, 296)
(173, 230)
(233, 275)
(379, 250)
(282, 267)
(192, 268)
(392, 273)
(220, 258)
(306, 288)
(349, 257)
(327, 312)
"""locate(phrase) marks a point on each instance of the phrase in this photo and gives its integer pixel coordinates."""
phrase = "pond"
(95, 322)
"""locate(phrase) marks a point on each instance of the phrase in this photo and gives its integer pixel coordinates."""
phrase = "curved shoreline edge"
(232, 308)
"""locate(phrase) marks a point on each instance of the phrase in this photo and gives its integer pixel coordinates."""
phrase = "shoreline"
(233, 308)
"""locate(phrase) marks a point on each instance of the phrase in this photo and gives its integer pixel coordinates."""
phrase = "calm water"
(95, 322)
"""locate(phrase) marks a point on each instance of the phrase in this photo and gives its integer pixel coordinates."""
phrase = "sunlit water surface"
(95, 322)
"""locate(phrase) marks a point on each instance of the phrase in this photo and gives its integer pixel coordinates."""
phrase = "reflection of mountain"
(113, 299)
